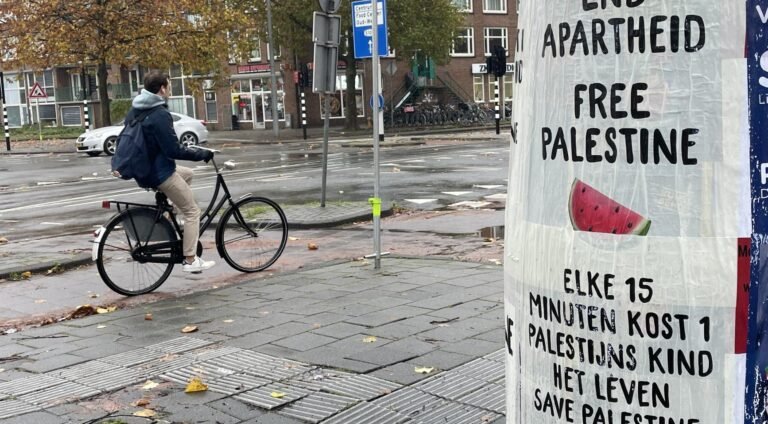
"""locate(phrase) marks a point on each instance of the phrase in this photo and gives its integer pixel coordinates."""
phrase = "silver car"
(190, 131)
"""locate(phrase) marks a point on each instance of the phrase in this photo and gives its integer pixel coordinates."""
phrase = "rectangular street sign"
(326, 29)
(324, 69)
(362, 32)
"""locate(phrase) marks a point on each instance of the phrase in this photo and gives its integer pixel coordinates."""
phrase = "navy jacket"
(163, 146)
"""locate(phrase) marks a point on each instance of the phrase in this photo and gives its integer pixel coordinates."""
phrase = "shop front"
(252, 97)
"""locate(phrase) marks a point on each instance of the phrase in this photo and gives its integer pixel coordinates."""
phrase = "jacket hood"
(147, 100)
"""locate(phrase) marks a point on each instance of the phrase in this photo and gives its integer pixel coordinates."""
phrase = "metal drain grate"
(236, 383)
(59, 394)
(482, 369)
(31, 384)
(491, 397)
(362, 387)
(132, 357)
(317, 406)
(367, 413)
(271, 396)
(450, 385)
(82, 370)
(179, 345)
(12, 407)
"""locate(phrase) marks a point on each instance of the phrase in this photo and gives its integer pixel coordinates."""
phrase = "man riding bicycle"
(163, 149)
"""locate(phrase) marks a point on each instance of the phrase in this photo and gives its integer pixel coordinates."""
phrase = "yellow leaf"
(149, 385)
(111, 308)
(312, 246)
(26, 275)
(195, 385)
(189, 329)
(145, 413)
(424, 370)
(277, 395)
(148, 317)
(369, 339)
(293, 238)
(141, 402)
(229, 321)
(102, 310)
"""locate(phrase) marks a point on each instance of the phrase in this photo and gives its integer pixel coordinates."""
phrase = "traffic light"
(305, 77)
(500, 56)
(490, 65)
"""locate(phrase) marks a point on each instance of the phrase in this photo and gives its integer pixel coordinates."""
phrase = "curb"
(65, 264)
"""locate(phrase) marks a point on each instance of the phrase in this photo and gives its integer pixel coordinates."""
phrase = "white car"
(190, 131)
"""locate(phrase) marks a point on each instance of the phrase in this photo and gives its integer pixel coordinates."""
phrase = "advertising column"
(627, 263)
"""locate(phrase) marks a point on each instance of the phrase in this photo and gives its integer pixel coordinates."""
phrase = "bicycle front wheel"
(252, 234)
(122, 270)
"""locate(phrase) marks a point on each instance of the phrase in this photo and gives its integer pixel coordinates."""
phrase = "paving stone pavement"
(339, 343)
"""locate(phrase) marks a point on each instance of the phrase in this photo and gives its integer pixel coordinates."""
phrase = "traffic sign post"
(362, 28)
(38, 93)
(5, 114)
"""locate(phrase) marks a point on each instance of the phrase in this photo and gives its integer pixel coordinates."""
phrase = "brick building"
(245, 100)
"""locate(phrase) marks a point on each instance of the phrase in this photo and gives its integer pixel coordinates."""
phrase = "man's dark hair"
(154, 80)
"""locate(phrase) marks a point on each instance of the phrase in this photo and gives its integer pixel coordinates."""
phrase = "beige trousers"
(178, 189)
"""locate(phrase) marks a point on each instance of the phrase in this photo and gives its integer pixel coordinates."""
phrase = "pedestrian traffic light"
(305, 76)
(490, 65)
(501, 61)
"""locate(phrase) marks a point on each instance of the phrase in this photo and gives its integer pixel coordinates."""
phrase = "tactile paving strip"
(317, 379)
(449, 385)
(179, 345)
(279, 369)
(31, 384)
(491, 397)
(185, 374)
(59, 394)
(408, 401)
(132, 357)
(236, 383)
(367, 413)
(498, 356)
(317, 406)
(456, 413)
(74, 373)
(482, 369)
(239, 361)
(272, 395)
(116, 378)
(160, 366)
(362, 387)
(208, 354)
(12, 407)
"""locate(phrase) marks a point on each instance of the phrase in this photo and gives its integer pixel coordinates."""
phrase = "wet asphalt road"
(54, 194)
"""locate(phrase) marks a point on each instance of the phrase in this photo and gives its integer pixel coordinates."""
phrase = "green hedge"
(31, 132)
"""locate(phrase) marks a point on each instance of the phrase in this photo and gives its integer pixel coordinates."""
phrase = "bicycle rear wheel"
(122, 270)
(252, 234)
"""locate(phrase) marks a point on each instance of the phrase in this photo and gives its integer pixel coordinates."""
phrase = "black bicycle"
(136, 250)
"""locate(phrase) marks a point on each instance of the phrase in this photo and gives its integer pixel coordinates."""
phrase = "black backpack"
(131, 159)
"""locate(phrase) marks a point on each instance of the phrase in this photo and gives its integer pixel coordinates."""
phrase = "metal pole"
(39, 124)
(304, 114)
(86, 113)
(375, 95)
(326, 122)
(273, 78)
(496, 106)
(5, 114)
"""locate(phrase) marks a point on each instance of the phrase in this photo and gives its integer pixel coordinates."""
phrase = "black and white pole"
(86, 114)
(5, 114)
(304, 114)
(497, 106)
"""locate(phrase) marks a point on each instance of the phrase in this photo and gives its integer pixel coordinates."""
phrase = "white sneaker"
(197, 266)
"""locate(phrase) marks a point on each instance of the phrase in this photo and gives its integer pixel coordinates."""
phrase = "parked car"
(190, 131)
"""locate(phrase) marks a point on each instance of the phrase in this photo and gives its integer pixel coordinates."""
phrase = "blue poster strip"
(757, 332)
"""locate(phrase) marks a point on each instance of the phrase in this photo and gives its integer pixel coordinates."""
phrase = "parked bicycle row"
(431, 114)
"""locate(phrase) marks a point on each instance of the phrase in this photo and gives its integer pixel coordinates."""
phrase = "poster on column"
(627, 262)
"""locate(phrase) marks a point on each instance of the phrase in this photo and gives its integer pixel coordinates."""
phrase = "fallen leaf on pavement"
(195, 385)
(317, 325)
(82, 311)
(145, 413)
(3, 240)
(39, 301)
(108, 309)
(2, 369)
(148, 317)
(369, 339)
(141, 402)
(149, 385)
(191, 308)
(229, 321)
(293, 238)
(189, 329)
(93, 295)
(277, 395)
(10, 331)
(26, 275)
(312, 246)
(424, 370)
(101, 326)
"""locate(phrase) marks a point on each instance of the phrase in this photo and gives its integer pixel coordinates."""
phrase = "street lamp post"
(273, 79)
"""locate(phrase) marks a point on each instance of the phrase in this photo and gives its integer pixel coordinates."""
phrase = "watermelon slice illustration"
(595, 212)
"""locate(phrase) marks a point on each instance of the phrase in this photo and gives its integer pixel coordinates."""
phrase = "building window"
(180, 101)
(16, 99)
(494, 6)
(478, 86)
(211, 114)
(338, 99)
(464, 43)
(277, 52)
(463, 5)
(508, 83)
(495, 37)
(255, 55)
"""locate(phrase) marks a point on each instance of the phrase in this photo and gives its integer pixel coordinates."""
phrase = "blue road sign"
(362, 32)
(381, 102)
